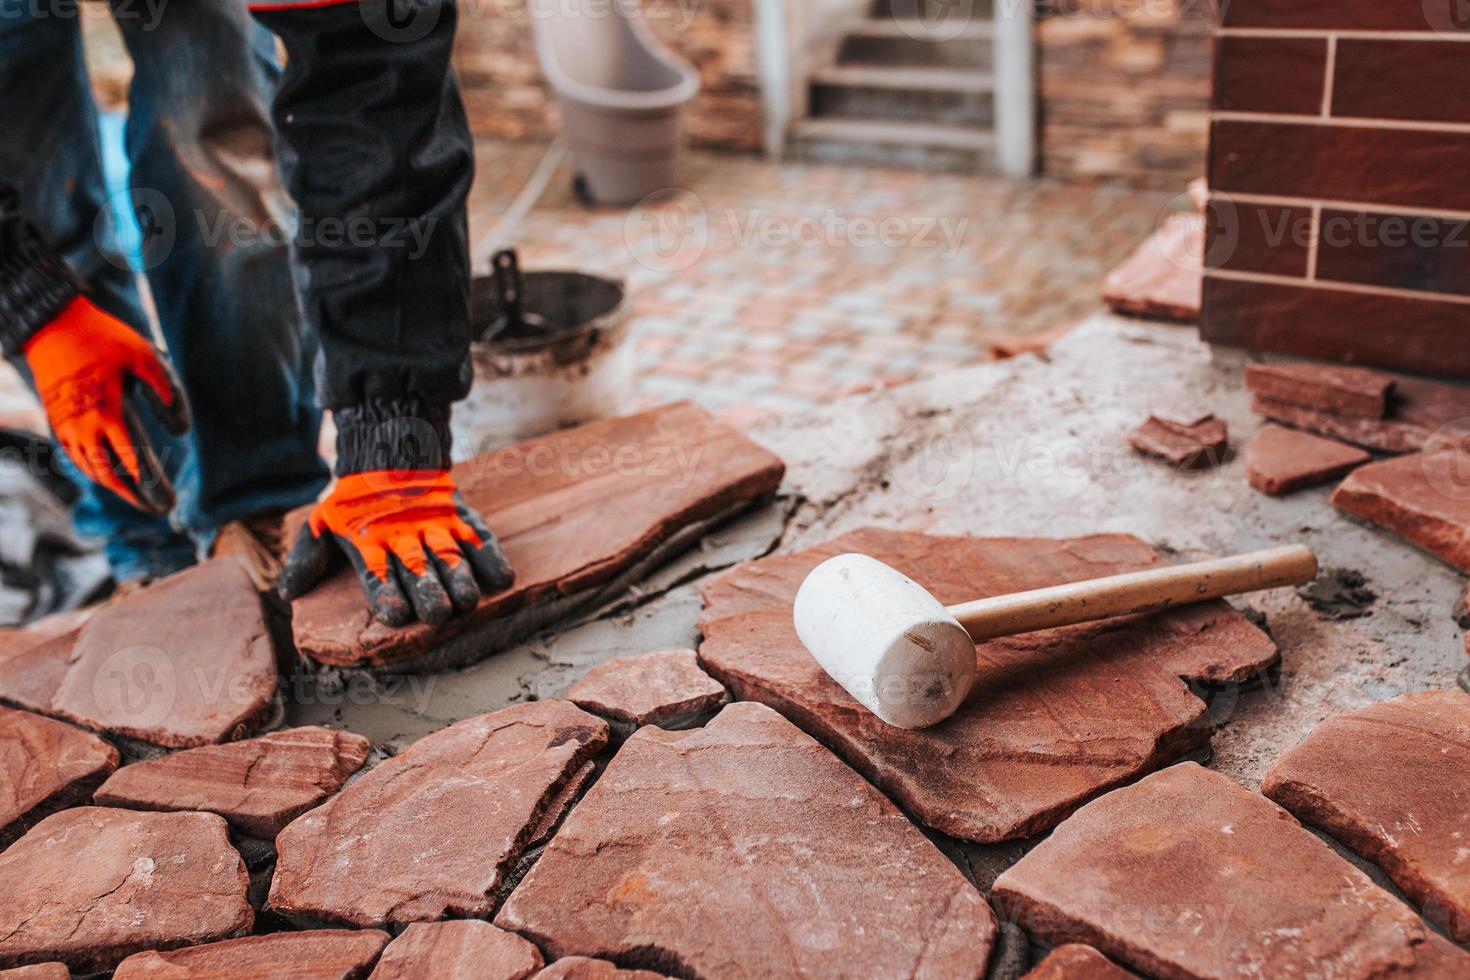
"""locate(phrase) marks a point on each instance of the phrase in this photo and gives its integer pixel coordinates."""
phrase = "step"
(913, 79)
(914, 42)
(895, 134)
(975, 109)
(920, 29)
(953, 12)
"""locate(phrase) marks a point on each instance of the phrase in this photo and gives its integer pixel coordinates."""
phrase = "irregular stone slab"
(461, 949)
(579, 512)
(1420, 497)
(1186, 447)
(1075, 961)
(666, 688)
(1280, 461)
(431, 832)
(1188, 874)
(186, 661)
(561, 805)
(1334, 388)
(1164, 277)
(91, 885)
(45, 766)
(745, 849)
(258, 785)
(319, 954)
(1392, 782)
(586, 968)
(1055, 717)
(1421, 413)
(41, 971)
(1381, 435)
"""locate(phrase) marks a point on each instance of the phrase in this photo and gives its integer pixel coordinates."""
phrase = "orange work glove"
(88, 367)
(418, 550)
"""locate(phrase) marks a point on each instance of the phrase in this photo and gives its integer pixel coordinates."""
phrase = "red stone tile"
(45, 766)
(1280, 461)
(1257, 237)
(316, 954)
(665, 688)
(1204, 444)
(41, 971)
(1422, 497)
(745, 849)
(1188, 874)
(1345, 15)
(1270, 74)
(589, 968)
(1342, 163)
(1392, 781)
(1074, 961)
(1400, 251)
(460, 949)
(1335, 388)
(1425, 335)
(1402, 80)
(1033, 741)
(1161, 279)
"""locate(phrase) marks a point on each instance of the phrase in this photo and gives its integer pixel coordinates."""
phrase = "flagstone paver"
(318, 954)
(460, 949)
(45, 766)
(666, 688)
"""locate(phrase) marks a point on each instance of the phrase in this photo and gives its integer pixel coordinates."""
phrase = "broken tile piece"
(579, 512)
(1381, 435)
(45, 766)
(561, 804)
(1280, 461)
(431, 832)
(1164, 277)
(666, 688)
(1188, 874)
(91, 885)
(318, 954)
(1075, 961)
(1421, 413)
(1392, 782)
(259, 785)
(1421, 497)
(460, 949)
(1055, 717)
(745, 849)
(587, 968)
(1333, 388)
(1185, 447)
(186, 661)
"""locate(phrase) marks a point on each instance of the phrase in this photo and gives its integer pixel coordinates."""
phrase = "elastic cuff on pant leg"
(392, 434)
(35, 286)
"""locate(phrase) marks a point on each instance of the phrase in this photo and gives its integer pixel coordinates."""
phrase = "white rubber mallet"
(911, 661)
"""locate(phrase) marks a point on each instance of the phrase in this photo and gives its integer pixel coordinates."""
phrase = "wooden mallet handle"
(1135, 592)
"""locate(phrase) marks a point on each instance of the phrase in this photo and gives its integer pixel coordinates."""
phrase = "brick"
(1346, 15)
(1257, 238)
(1399, 250)
(1270, 74)
(1408, 168)
(1427, 335)
(1426, 80)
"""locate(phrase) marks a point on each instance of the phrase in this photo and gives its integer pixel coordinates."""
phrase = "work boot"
(257, 544)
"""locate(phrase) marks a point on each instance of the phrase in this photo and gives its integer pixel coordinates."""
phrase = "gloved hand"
(418, 550)
(88, 367)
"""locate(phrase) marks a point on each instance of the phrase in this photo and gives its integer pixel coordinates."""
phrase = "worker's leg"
(200, 141)
(51, 154)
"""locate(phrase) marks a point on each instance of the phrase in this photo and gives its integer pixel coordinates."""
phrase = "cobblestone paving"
(767, 287)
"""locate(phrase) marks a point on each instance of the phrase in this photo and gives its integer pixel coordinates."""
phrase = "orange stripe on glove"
(88, 367)
(418, 550)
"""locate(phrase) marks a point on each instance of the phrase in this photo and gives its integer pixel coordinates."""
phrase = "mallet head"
(886, 640)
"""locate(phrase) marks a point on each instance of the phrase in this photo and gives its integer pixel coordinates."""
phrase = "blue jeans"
(204, 185)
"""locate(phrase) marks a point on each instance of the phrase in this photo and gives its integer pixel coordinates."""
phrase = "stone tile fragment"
(745, 849)
(577, 511)
(460, 949)
(1422, 413)
(1280, 461)
(1421, 497)
(1334, 388)
(41, 971)
(1036, 738)
(91, 885)
(666, 688)
(1381, 435)
(258, 785)
(587, 968)
(1074, 961)
(561, 804)
(1185, 447)
(1188, 874)
(186, 661)
(318, 954)
(1392, 782)
(1164, 277)
(45, 766)
(431, 832)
